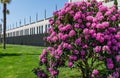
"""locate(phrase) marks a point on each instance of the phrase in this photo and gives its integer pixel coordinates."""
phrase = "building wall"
(80, 0)
(73, 0)
(105, 2)
(36, 40)
(29, 29)
(0, 32)
(29, 34)
(109, 4)
(33, 33)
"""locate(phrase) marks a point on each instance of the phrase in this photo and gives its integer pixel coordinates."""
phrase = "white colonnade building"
(41, 26)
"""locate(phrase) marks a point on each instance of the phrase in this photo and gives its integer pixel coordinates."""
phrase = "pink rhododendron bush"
(84, 36)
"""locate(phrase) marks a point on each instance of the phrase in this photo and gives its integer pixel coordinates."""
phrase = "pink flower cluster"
(95, 72)
(80, 29)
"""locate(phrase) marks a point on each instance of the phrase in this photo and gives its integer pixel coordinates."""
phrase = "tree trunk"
(4, 25)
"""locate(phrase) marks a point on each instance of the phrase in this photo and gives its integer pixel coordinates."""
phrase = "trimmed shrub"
(83, 35)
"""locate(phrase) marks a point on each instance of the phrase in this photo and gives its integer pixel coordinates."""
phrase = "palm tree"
(5, 11)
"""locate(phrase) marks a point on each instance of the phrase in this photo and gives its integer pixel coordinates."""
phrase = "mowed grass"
(17, 61)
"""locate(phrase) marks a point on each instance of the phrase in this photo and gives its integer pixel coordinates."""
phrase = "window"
(17, 33)
(26, 31)
(108, 0)
(8, 35)
(46, 28)
(30, 31)
(13, 34)
(34, 30)
(41, 29)
(48, 25)
(37, 30)
(21, 32)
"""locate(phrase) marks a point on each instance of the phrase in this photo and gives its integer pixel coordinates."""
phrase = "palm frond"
(5, 1)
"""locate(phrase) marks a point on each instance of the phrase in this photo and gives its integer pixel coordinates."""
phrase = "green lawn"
(17, 61)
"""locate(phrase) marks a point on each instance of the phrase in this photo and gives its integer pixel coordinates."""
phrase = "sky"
(23, 9)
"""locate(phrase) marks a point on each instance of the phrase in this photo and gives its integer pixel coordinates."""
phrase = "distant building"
(73, 0)
(33, 28)
(105, 2)
(86, 0)
(33, 33)
(0, 32)
(0, 28)
(29, 34)
(42, 25)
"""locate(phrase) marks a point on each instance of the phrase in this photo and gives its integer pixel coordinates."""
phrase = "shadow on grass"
(75, 77)
(14, 54)
(30, 54)
(6, 47)
(9, 54)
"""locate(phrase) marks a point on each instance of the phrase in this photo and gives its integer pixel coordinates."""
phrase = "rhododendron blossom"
(83, 35)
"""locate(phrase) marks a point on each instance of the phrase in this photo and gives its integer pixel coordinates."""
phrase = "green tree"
(5, 11)
(116, 3)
